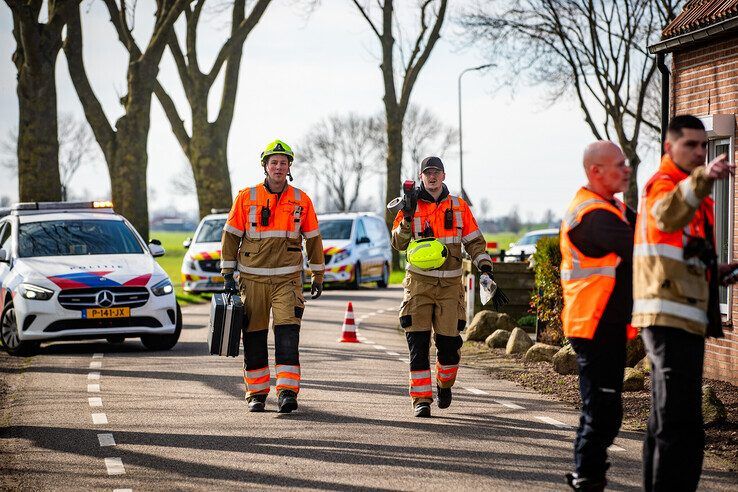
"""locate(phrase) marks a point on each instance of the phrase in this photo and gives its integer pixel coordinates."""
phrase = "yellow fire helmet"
(427, 254)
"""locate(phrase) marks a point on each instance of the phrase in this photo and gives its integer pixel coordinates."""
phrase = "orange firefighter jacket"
(451, 222)
(669, 289)
(262, 237)
(587, 282)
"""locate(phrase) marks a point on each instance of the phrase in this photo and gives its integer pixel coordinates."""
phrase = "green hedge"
(548, 300)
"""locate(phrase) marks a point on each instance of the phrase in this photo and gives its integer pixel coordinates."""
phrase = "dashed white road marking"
(475, 391)
(97, 356)
(369, 342)
(392, 353)
(95, 401)
(380, 347)
(509, 404)
(553, 422)
(99, 418)
(381, 311)
(122, 490)
(106, 440)
(93, 388)
(93, 375)
(402, 359)
(95, 364)
(115, 466)
(615, 447)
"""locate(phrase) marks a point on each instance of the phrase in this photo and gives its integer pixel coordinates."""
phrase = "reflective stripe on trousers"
(257, 381)
(288, 377)
(270, 271)
(420, 384)
(446, 373)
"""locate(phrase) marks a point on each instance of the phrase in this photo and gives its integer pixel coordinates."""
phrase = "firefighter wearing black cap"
(432, 228)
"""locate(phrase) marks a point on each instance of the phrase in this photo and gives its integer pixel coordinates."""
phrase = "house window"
(723, 213)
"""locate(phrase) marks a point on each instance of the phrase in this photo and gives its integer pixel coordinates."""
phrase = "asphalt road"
(101, 416)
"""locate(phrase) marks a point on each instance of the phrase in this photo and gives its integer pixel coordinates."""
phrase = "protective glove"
(229, 284)
(410, 203)
(316, 289)
(486, 282)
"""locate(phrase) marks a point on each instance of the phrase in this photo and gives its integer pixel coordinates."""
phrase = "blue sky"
(298, 69)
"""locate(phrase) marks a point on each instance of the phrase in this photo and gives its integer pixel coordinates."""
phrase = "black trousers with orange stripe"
(447, 361)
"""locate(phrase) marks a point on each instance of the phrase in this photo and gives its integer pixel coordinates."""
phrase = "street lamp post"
(461, 148)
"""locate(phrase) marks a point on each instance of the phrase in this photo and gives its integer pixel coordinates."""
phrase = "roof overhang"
(718, 29)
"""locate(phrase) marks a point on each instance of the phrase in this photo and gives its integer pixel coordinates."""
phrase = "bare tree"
(484, 208)
(77, 148)
(206, 145)
(124, 146)
(37, 47)
(595, 50)
(424, 134)
(401, 62)
(341, 152)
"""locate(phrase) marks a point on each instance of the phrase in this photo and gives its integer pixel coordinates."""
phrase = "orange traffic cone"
(348, 330)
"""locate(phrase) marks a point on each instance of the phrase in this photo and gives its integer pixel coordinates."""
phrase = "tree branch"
(175, 120)
(365, 14)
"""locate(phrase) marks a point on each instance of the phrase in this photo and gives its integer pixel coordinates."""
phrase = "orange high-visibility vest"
(587, 282)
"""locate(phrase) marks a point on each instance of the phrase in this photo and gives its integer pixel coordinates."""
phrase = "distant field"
(503, 239)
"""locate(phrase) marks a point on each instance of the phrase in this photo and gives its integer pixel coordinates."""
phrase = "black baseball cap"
(431, 162)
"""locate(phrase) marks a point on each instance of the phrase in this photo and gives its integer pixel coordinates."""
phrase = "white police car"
(201, 264)
(356, 248)
(71, 271)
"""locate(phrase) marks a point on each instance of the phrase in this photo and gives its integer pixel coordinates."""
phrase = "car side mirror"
(156, 249)
(363, 240)
(187, 243)
(4, 256)
(155, 241)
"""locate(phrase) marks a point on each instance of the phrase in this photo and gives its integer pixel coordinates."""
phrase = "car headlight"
(341, 255)
(163, 288)
(30, 291)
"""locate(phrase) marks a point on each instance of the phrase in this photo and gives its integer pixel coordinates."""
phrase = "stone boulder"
(633, 380)
(519, 342)
(565, 361)
(482, 326)
(713, 410)
(644, 365)
(504, 322)
(498, 339)
(635, 351)
(541, 352)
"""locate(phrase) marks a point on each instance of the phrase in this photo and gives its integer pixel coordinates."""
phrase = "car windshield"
(76, 237)
(336, 229)
(532, 238)
(211, 231)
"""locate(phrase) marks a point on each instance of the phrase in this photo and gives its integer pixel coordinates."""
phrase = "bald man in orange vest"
(596, 250)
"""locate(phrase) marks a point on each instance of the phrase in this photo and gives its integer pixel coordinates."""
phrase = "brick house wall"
(705, 82)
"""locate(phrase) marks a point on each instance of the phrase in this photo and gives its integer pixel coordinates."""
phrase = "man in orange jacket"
(262, 238)
(596, 250)
(675, 300)
(434, 299)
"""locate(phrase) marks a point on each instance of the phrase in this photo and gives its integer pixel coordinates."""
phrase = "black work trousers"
(674, 445)
(601, 362)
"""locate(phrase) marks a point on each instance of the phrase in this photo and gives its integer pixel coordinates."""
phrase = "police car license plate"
(119, 312)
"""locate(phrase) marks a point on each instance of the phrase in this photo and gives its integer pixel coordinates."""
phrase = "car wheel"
(9, 334)
(356, 281)
(164, 342)
(384, 281)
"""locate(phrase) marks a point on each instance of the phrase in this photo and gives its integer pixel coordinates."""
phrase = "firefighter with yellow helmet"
(432, 226)
(262, 239)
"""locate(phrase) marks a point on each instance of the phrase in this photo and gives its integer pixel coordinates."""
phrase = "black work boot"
(256, 403)
(585, 484)
(422, 409)
(444, 397)
(287, 401)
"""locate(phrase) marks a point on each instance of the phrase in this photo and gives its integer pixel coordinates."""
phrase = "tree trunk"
(38, 144)
(210, 168)
(631, 194)
(394, 169)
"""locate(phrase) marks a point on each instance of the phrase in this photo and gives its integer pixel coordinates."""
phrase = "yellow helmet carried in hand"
(427, 254)
(277, 147)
